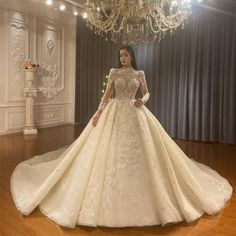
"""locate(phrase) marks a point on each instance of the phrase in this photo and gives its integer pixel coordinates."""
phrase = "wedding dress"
(125, 171)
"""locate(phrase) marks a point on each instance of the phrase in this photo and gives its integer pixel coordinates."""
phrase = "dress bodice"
(125, 82)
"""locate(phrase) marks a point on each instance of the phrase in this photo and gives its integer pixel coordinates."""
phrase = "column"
(30, 92)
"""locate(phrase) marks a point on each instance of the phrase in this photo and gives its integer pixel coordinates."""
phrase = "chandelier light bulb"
(75, 13)
(62, 7)
(49, 2)
(85, 15)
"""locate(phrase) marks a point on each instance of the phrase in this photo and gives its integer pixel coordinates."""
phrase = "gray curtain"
(191, 76)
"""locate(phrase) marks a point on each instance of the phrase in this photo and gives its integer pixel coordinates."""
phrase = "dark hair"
(131, 52)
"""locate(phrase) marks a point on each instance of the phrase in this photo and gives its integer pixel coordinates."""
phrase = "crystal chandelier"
(136, 21)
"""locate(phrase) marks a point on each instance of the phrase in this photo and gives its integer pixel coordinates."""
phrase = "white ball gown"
(125, 171)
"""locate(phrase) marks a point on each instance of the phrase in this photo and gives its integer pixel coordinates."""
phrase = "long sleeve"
(108, 92)
(143, 87)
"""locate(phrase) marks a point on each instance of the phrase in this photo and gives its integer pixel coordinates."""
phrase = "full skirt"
(125, 171)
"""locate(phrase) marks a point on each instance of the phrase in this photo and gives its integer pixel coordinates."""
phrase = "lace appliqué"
(126, 83)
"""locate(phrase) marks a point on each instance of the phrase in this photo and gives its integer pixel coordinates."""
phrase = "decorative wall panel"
(17, 53)
(33, 36)
(50, 55)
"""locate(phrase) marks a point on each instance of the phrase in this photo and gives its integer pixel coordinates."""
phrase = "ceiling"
(224, 6)
(39, 6)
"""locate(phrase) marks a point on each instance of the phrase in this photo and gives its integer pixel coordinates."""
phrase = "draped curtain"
(191, 76)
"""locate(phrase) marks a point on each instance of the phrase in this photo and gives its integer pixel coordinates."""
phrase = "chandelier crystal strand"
(136, 21)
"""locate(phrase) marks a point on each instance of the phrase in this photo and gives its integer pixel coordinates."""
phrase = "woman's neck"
(126, 67)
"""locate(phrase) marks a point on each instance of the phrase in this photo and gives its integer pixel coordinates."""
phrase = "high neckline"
(127, 68)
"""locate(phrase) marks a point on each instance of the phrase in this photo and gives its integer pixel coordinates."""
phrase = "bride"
(123, 170)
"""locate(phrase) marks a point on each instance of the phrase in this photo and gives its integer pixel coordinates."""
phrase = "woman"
(123, 170)
(126, 61)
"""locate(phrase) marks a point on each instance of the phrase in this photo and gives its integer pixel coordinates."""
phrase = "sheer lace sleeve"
(109, 89)
(143, 87)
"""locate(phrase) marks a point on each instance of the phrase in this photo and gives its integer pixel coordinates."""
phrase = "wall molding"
(36, 104)
(42, 39)
(51, 58)
(39, 126)
(15, 117)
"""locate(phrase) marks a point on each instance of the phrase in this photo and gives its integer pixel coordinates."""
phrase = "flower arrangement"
(29, 65)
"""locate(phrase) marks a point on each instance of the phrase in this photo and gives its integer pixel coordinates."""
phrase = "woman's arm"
(144, 88)
(106, 96)
(108, 92)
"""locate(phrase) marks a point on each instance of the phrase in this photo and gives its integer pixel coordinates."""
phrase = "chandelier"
(136, 21)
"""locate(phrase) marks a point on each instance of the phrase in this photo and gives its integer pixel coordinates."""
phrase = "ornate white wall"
(26, 33)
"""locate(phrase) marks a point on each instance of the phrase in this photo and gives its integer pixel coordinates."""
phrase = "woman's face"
(125, 58)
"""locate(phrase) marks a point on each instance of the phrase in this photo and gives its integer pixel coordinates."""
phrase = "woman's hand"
(139, 102)
(95, 118)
